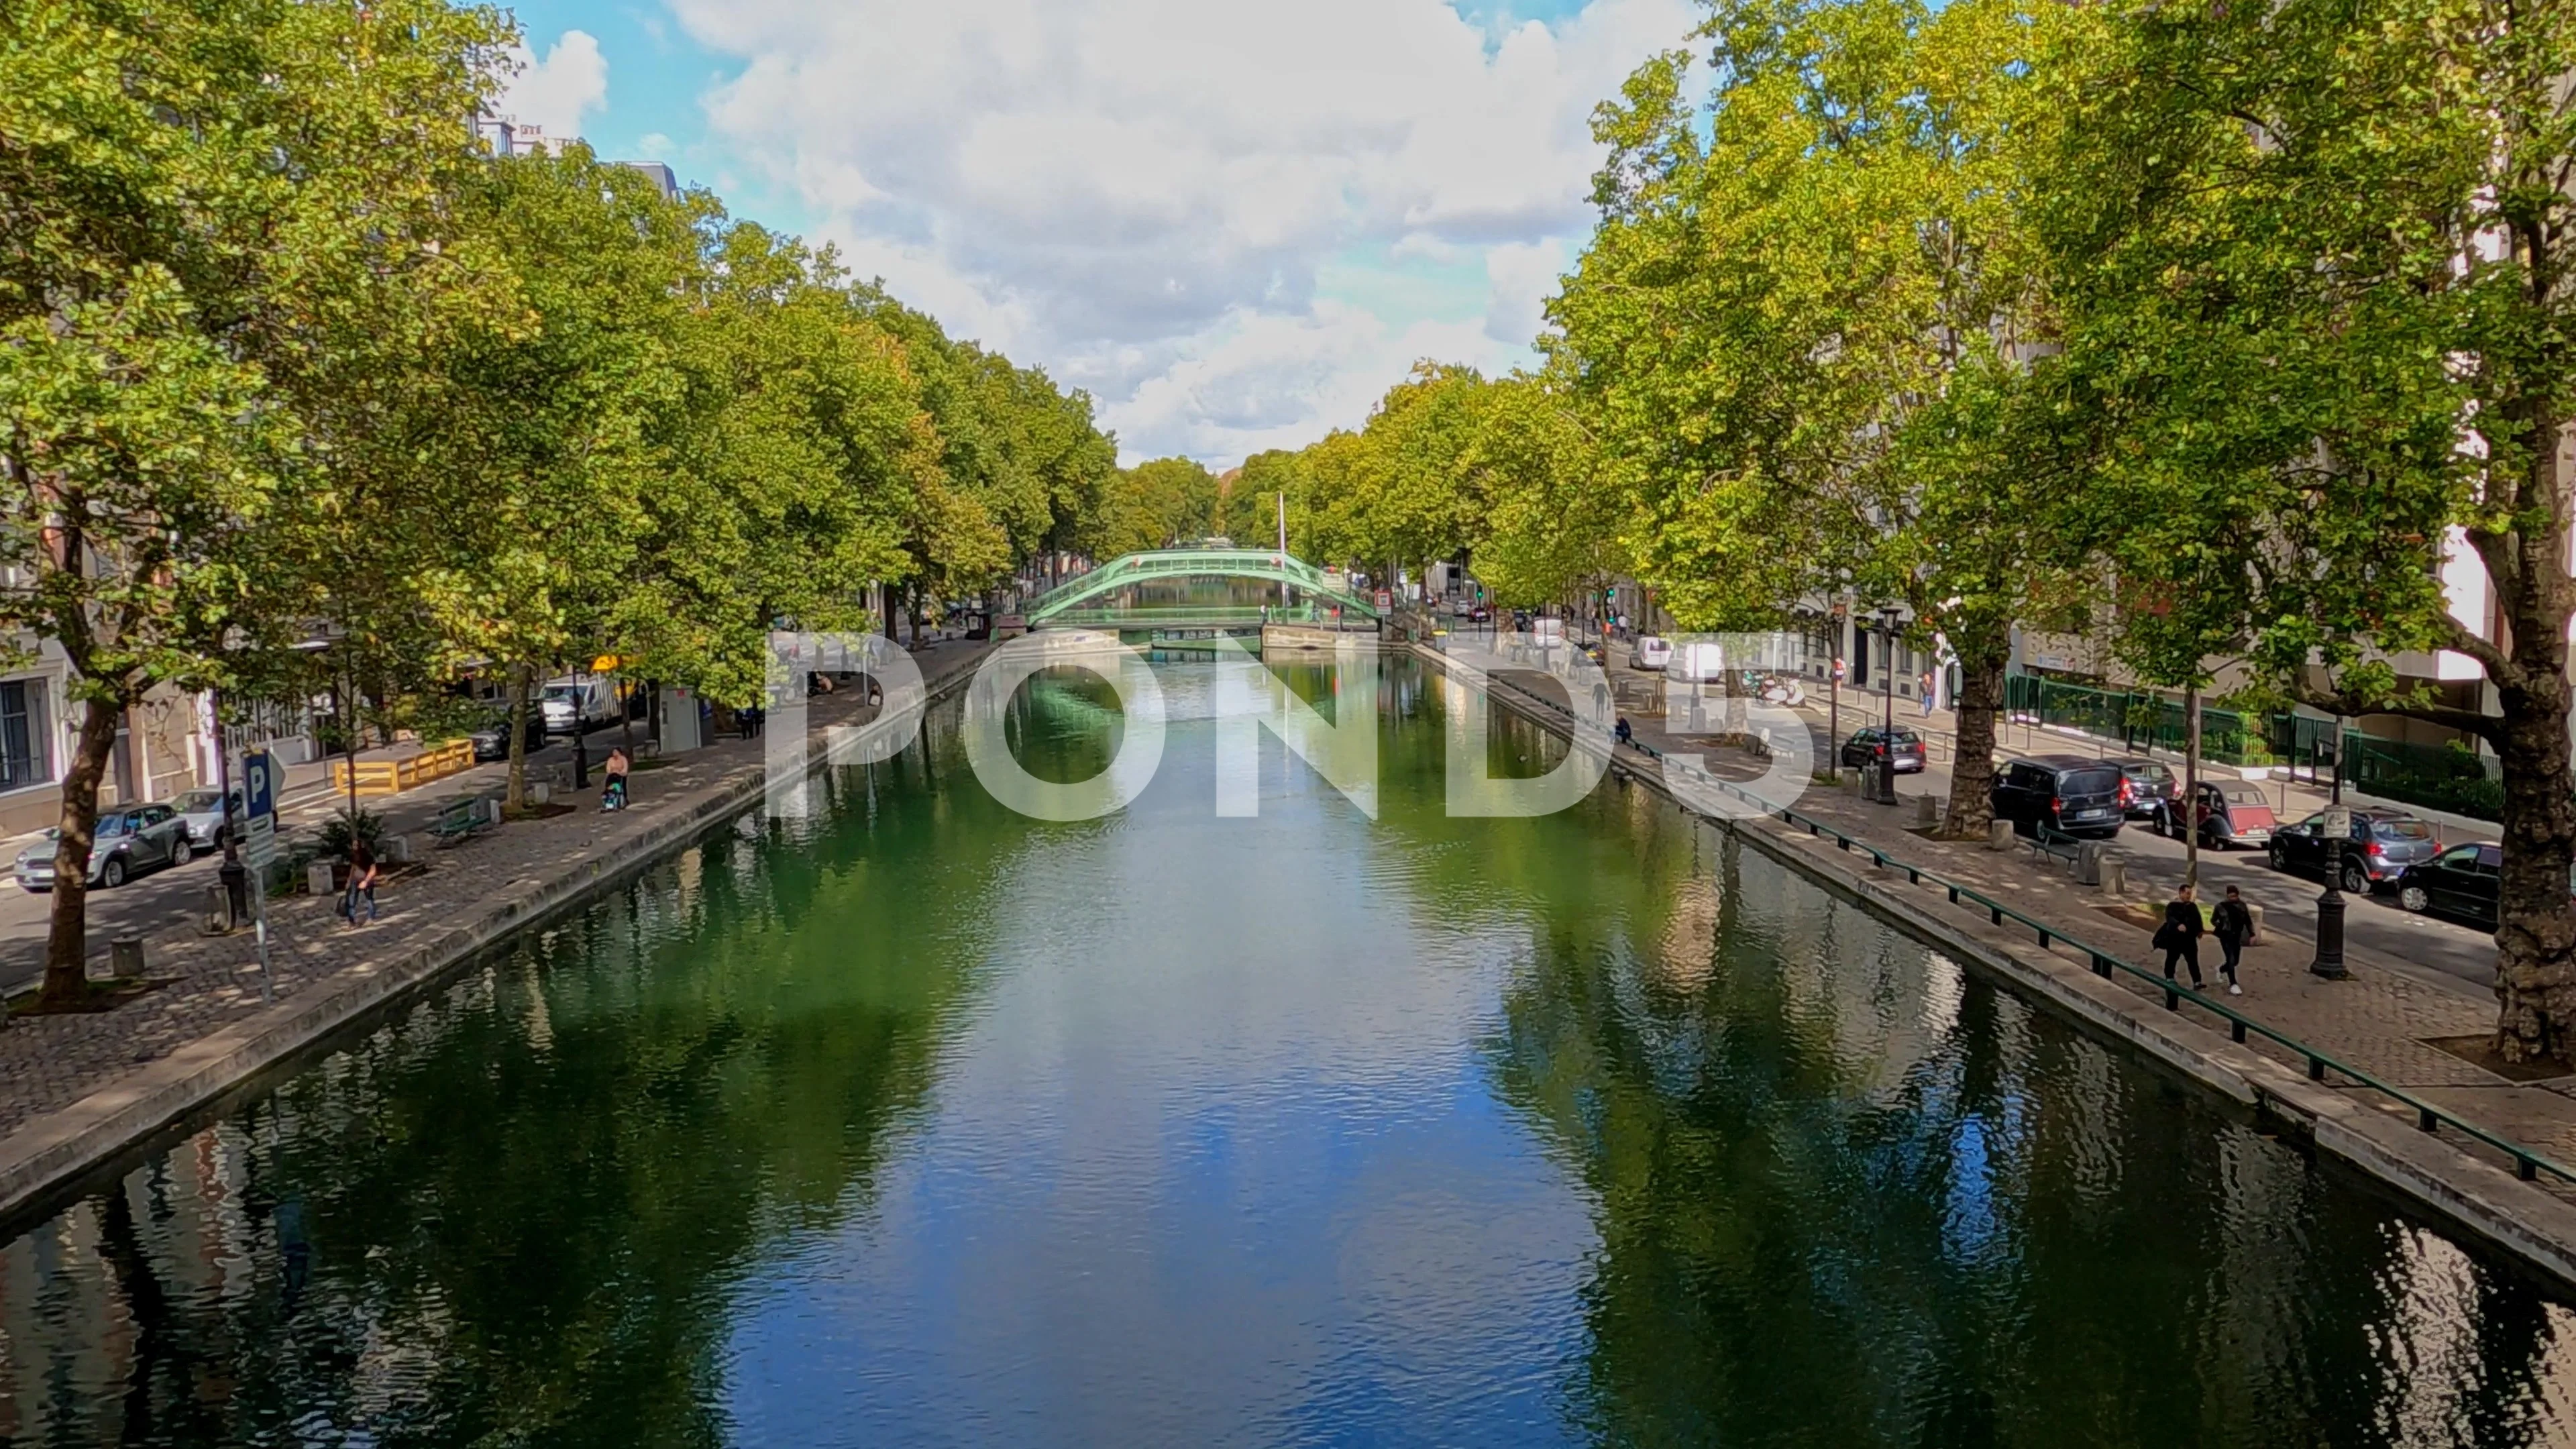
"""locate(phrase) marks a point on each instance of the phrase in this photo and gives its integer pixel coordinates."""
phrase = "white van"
(1653, 651)
(1701, 663)
(1548, 631)
(583, 701)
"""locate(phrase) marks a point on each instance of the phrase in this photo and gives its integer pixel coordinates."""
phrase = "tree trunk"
(625, 720)
(515, 798)
(2191, 787)
(1972, 766)
(2536, 946)
(67, 937)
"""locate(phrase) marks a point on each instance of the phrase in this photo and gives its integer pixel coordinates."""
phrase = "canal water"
(927, 1123)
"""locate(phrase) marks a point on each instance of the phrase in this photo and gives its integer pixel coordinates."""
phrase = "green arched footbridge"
(1200, 588)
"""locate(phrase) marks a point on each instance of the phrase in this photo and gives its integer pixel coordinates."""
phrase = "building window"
(23, 759)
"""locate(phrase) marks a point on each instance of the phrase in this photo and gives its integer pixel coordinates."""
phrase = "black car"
(1867, 747)
(2462, 882)
(2382, 844)
(2067, 793)
(2149, 785)
(492, 741)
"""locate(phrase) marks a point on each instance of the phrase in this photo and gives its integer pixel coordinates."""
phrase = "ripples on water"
(924, 1123)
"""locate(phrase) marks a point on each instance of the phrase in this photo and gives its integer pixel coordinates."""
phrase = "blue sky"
(1235, 223)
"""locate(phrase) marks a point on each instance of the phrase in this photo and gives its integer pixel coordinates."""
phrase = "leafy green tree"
(2319, 262)
(196, 205)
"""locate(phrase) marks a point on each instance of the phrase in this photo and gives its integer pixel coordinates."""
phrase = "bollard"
(126, 952)
(317, 877)
(540, 791)
(1927, 812)
(2087, 864)
(219, 909)
(1999, 835)
(2115, 876)
(397, 850)
(2256, 936)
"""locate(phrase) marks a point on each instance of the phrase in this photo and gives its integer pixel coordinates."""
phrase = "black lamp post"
(1887, 735)
(2330, 905)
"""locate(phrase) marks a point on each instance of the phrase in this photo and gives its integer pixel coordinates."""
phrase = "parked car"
(2229, 815)
(126, 842)
(202, 812)
(2462, 881)
(1653, 651)
(1482, 615)
(492, 741)
(2067, 793)
(2382, 845)
(2146, 788)
(1867, 746)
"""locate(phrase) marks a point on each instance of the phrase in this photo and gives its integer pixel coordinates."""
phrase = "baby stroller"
(613, 797)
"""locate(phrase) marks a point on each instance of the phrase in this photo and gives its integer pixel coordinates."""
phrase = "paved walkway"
(2383, 1020)
(55, 1070)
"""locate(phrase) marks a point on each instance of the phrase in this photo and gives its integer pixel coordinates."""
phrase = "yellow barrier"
(393, 777)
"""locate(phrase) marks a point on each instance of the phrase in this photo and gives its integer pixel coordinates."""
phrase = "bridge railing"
(1057, 604)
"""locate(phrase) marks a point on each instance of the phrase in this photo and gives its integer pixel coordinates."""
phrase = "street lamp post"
(2330, 904)
(1887, 736)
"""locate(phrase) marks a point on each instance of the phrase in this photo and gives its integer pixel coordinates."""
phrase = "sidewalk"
(2383, 1020)
(76, 1090)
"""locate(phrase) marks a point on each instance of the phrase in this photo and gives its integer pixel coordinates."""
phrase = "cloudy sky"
(1236, 222)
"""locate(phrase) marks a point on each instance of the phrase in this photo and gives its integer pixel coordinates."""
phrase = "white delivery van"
(1548, 631)
(578, 701)
(1700, 663)
(1653, 651)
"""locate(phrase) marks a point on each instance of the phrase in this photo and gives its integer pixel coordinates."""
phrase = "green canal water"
(926, 1123)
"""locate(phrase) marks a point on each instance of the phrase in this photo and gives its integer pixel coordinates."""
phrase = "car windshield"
(561, 691)
(2088, 782)
(196, 802)
(111, 825)
(2401, 829)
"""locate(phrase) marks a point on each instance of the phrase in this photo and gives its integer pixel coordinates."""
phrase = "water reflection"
(917, 1121)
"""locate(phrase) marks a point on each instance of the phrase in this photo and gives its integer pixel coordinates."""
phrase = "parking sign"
(259, 808)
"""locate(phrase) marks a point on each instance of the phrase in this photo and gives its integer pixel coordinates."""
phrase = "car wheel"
(2280, 862)
(112, 874)
(180, 851)
(2356, 881)
(2414, 899)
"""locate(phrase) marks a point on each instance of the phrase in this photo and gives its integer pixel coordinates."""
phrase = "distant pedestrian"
(1927, 693)
(2179, 937)
(2233, 924)
(1626, 735)
(362, 883)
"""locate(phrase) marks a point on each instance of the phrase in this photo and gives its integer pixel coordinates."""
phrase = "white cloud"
(1139, 193)
(557, 91)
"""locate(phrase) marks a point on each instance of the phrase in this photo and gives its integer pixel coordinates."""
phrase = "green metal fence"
(2435, 777)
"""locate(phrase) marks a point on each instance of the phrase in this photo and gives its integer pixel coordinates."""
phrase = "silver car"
(202, 811)
(127, 842)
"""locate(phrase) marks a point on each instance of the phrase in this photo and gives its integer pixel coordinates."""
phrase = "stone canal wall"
(2527, 1222)
(92, 1090)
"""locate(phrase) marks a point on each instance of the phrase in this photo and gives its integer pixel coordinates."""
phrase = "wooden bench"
(460, 820)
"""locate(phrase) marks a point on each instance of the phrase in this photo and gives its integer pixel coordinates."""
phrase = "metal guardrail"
(2528, 1164)
(1155, 564)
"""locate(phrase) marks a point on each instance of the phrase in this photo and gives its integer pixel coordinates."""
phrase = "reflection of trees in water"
(522, 1205)
(1849, 1196)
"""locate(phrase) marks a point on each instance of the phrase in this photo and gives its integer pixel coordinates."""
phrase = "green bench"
(2053, 844)
(460, 820)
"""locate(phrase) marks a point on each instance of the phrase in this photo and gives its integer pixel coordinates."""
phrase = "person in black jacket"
(2179, 937)
(2233, 924)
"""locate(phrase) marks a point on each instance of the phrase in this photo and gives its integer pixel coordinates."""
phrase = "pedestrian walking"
(362, 883)
(2179, 937)
(2233, 924)
(1927, 694)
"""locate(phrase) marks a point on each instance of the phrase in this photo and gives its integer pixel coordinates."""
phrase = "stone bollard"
(317, 877)
(2087, 864)
(397, 850)
(2257, 938)
(1927, 812)
(219, 909)
(1999, 835)
(125, 954)
(2115, 876)
(540, 791)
